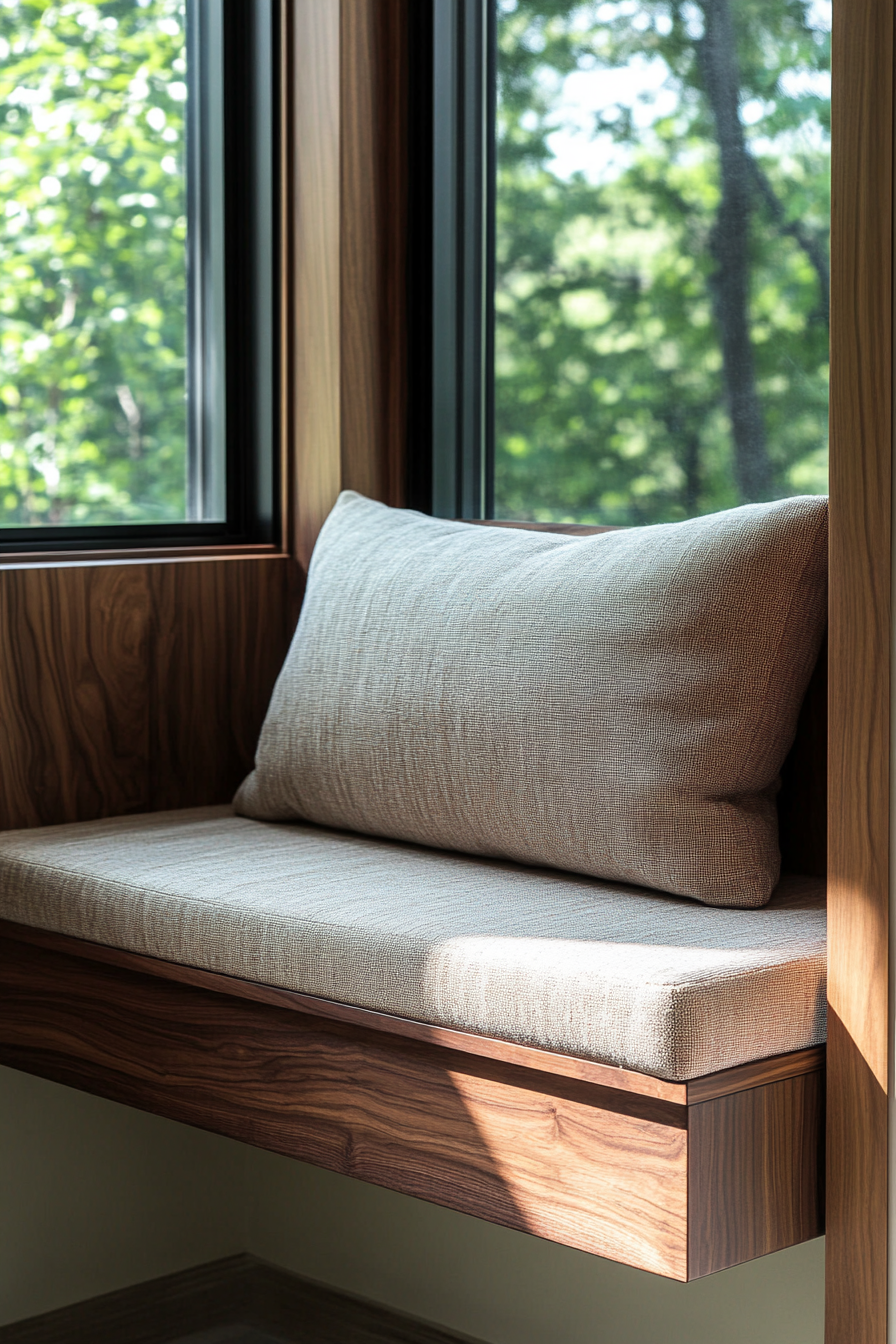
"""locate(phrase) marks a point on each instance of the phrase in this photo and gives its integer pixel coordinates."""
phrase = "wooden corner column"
(344, 168)
(859, 1078)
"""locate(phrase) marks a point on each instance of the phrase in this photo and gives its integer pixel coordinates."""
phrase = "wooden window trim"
(344, 340)
(158, 555)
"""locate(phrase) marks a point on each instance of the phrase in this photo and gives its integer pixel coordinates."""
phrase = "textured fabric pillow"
(617, 705)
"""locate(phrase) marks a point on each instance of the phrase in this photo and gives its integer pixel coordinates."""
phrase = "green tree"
(661, 332)
(92, 262)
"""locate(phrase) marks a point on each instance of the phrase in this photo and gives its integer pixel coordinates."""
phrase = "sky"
(647, 88)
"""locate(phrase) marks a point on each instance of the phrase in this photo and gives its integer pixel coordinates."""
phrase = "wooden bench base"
(678, 1178)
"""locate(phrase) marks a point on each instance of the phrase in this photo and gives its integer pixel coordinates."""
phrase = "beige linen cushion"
(617, 705)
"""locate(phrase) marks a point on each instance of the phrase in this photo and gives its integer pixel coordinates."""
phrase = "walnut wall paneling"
(132, 687)
(74, 692)
(219, 636)
(860, 633)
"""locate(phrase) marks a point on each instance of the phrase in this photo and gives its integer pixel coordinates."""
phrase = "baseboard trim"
(239, 1291)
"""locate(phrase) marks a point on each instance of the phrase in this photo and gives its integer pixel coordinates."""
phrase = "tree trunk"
(730, 249)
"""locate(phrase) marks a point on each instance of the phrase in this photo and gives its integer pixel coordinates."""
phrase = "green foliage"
(610, 386)
(92, 262)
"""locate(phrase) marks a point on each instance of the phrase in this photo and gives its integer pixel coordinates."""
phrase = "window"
(137, 368)
(630, 210)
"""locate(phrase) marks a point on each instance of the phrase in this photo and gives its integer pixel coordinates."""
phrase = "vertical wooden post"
(344, 221)
(373, 172)
(859, 819)
(311, 184)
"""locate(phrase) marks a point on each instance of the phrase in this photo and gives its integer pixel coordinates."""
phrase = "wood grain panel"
(74, 690)
(860, 633)
(756, 1074)
(861, 448)
(373, 214)
(132, 687)
(344, 222)
(220, 634)
(539, 1153)
(755, 1176)
(313, 191)
(129, 555)
(856, 1249)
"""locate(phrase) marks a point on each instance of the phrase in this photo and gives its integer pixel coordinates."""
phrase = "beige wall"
(94, 1196)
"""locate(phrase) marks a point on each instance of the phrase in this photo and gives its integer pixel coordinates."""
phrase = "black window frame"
(452, 170)
(451, 173)
(250, 40)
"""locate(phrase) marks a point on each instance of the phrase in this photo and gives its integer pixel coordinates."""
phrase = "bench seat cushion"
(573, 964)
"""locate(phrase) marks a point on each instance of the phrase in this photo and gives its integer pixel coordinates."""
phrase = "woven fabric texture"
(646, 981)
(617, 705)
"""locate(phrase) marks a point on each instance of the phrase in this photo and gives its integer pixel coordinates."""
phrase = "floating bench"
(625, 1071)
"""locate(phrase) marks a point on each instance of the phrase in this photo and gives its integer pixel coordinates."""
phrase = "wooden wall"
(860, 652)
(132, 687)
(138, 683)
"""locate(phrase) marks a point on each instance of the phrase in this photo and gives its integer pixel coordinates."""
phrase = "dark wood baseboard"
(238, 1291)
(681, 1179)
(159, 1311)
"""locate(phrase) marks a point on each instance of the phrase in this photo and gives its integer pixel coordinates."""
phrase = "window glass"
(93, 263)
(661, 274)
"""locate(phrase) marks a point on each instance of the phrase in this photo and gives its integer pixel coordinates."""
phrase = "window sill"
(146, 555)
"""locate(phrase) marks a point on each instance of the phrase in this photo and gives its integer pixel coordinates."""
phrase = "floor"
(200, 1306)
(232, 1334)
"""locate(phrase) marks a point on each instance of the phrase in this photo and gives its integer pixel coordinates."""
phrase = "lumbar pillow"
(618, 705)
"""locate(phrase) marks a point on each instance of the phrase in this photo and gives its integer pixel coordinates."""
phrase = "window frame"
(452, 47)
(248, 286)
